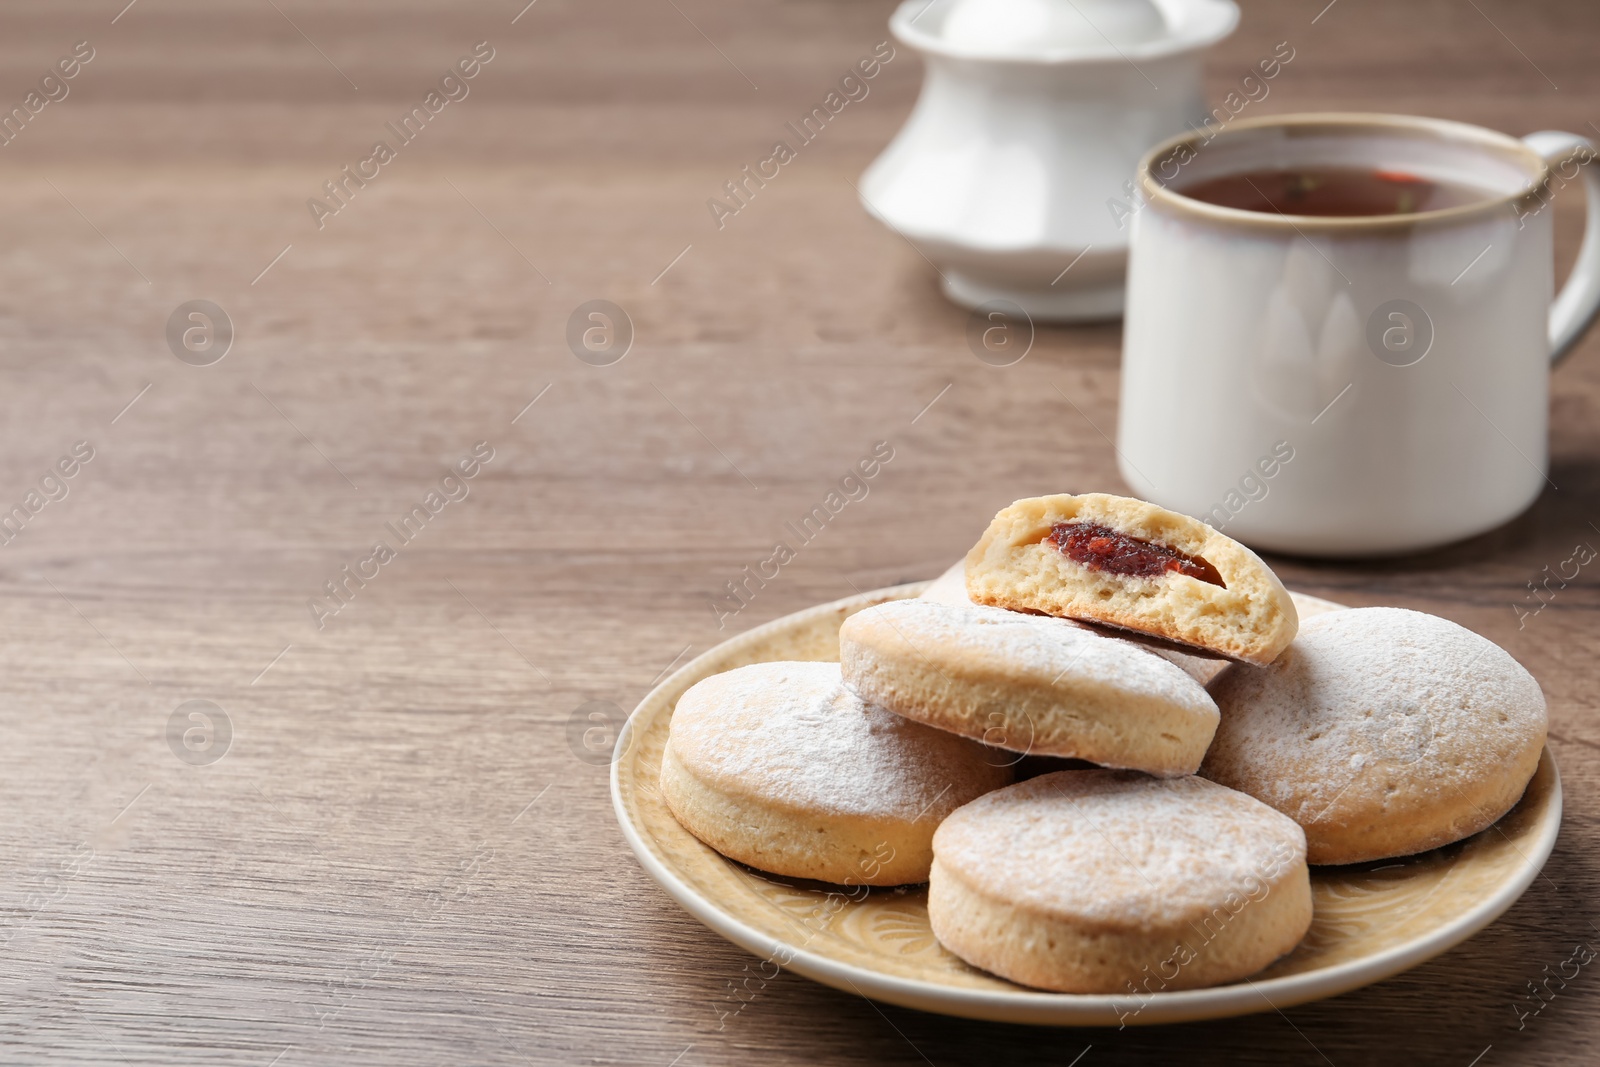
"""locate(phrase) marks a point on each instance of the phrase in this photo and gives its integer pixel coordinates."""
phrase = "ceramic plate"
(1372, 920)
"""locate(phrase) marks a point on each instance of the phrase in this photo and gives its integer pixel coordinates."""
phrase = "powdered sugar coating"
(951, 588)
(791, 734)
(1039, 648)
(1119, 850)
(1384, 725)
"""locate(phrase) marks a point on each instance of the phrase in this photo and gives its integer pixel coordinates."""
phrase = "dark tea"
(1335, 192)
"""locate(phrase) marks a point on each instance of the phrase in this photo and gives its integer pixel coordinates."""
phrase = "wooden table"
(402, 854)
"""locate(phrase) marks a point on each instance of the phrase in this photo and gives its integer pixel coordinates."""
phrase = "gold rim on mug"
(1346, 123)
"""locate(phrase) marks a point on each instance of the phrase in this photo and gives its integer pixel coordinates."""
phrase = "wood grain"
(402, 856)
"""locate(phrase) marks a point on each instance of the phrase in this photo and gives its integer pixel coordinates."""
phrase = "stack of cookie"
(1230, 747)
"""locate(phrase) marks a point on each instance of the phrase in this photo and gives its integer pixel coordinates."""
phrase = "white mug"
(1350, 386)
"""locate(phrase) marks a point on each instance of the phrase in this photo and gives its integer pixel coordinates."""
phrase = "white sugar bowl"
(1013, 175)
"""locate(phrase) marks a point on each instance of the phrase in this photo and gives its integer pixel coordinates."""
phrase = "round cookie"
(779, 766)
(1028, 683)
(1127, 563)
(1383, 732)
(951, 588)
(1114, 882)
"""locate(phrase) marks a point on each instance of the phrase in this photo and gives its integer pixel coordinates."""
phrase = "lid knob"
(1030, 26)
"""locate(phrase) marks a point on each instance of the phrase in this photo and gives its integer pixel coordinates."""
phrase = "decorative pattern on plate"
(1361, 910)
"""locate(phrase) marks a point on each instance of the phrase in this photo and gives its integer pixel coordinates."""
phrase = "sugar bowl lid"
(1062, 30)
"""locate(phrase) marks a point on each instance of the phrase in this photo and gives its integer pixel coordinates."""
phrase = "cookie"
(1028, 683)
(1383, 732)
(1130, 564)
(1114, 882)
(951, 588)
(779, 766)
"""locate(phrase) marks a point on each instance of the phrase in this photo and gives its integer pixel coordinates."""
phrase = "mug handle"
(1578, 302)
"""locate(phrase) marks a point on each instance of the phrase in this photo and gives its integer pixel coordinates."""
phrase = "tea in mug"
(1334, 192)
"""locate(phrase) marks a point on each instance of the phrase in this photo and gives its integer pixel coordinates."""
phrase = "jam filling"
(1101, 548)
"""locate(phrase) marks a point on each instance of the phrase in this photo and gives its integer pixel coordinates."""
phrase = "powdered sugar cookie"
(779, 766)
(951, 588)
(1127, 563)
(1114, 882)
(1383, 732)
(1028, 683)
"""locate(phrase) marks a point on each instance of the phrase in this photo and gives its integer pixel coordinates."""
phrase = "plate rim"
(1037, 1007)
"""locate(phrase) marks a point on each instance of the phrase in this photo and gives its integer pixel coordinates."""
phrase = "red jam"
(1101, 548)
